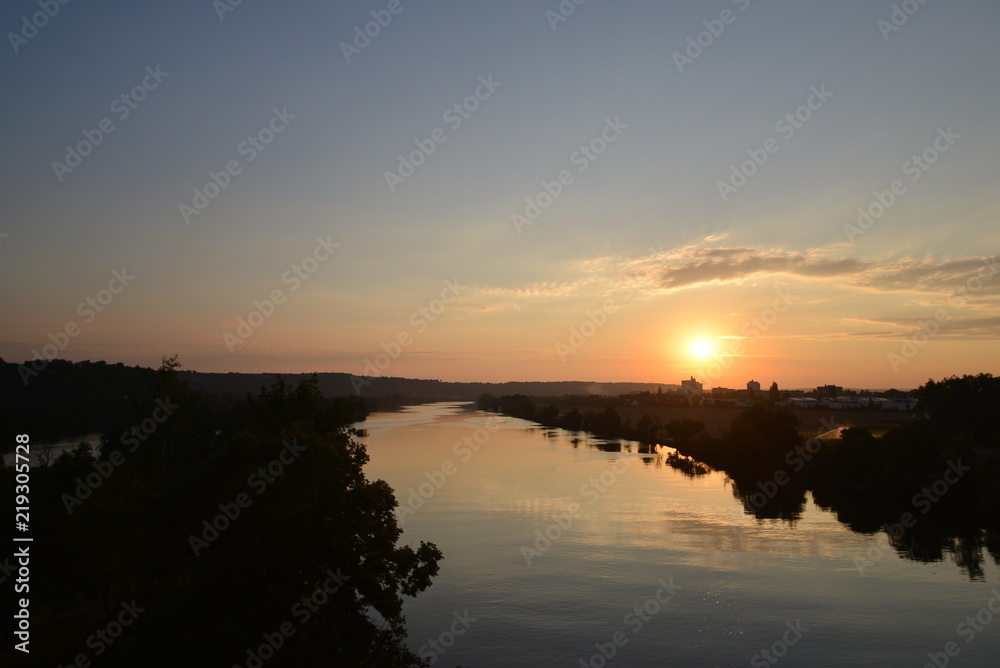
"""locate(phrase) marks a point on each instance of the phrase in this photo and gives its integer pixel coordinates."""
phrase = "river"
(557, 553)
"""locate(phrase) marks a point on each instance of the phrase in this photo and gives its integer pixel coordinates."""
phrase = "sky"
(800, 192)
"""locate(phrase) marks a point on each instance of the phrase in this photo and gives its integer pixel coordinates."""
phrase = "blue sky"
(649, 204)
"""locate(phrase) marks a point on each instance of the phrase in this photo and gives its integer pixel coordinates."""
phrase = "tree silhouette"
(218, 525)
(773, 395)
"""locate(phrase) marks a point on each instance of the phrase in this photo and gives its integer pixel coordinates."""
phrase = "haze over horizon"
(600, 197)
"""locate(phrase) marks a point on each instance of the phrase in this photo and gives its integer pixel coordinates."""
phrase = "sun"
(702, 349)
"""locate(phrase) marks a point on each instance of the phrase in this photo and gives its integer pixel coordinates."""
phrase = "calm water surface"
(633, 525)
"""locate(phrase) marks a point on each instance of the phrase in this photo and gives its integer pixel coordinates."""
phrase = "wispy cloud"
(844, 287)
(955, 327)
(926, 276)
(692, 266)
(732, 265)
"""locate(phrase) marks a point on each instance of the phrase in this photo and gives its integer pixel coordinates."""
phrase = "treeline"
(604, 421)
(956, 409)
(212, 533)
(336, 384)
(71, 399)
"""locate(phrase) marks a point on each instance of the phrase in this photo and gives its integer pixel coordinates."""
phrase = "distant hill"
(70, 398)
(340, 384)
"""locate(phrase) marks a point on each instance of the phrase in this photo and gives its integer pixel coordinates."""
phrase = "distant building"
(841, 403)
(802, 402)
(691, 386)
(831, 391)
(902, 404)
(722, 392)
(753, 387)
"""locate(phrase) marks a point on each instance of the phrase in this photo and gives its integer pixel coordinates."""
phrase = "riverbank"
(877, 477)
(716, 419)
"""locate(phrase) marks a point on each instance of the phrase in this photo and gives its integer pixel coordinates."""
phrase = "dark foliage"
(224, 523)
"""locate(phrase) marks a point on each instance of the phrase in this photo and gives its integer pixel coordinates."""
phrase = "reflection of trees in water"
(965, 531)
(766, 502)
(867, 483)
(963, 525)
(967, 534)
(690, 468)
(607, 446)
